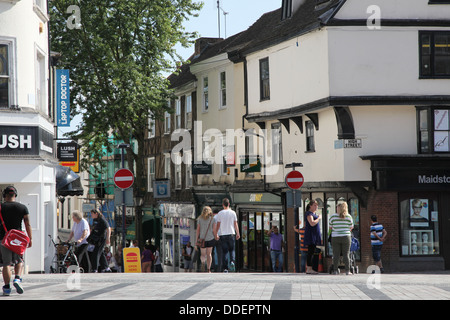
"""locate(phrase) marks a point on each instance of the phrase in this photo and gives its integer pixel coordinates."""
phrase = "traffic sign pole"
(123, 146)
(294, 180)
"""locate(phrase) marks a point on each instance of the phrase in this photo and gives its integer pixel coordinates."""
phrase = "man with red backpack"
(13, 213)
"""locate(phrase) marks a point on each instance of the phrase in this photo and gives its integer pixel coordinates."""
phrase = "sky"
(241, 14)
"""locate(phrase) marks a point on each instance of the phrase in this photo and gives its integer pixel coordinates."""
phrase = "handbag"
(201, 241)
(15, 240)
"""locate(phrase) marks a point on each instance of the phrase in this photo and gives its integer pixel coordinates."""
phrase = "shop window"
(433, 130)
(353, 209)
(419, 226)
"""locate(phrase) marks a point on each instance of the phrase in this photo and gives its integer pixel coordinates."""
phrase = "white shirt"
(226, 217)
(78, 229)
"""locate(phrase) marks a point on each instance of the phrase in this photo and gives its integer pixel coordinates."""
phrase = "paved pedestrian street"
(233, 287)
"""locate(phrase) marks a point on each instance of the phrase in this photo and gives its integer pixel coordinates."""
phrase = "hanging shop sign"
(62, 98)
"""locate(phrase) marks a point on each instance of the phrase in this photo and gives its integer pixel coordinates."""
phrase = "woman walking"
(312, 233)
(99, 237)
(206, 231)
(341, 225)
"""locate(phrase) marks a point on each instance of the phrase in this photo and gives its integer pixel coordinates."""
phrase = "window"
(178, 175)
(188, 117)
(439, 2)
(166, 122)
(205, 94)
(277, 150)
(41, 84)
(151, 173)
(178, 114)
(419, 223)
(310, 147)
(188, 166)
(264, 79)
(5, 76)
(167, 166)
(223, 90)
(434, 54)
(433, 130)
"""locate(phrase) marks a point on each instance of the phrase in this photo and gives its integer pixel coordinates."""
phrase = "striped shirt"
(341, 227)
(378, 228)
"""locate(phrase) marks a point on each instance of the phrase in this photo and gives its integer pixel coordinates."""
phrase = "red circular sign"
(294, 179)
(123, 178)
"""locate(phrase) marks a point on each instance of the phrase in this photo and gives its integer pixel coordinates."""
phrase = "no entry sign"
(123, 178)
(294, 179)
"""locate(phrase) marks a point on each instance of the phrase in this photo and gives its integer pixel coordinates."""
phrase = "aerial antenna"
(218, 17)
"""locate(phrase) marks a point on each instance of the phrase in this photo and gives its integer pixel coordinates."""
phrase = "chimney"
(202, 43)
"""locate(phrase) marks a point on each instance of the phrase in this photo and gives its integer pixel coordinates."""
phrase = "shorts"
(188, 264)
(210, 243)
(9, 258)
(376, 252)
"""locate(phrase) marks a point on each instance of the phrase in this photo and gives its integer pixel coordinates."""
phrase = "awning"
(68, 183)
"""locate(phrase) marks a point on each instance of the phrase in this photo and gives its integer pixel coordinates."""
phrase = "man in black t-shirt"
(13, 214)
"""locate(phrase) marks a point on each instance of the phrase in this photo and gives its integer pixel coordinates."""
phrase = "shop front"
(27, 163)
(178, 228)
(257, 213)
(420, 186)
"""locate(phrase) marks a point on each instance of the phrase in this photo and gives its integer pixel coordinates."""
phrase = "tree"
(116, 52)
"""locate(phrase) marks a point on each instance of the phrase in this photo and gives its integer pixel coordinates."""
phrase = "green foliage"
(116, 60)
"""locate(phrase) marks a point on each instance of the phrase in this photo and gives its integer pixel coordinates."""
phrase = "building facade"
(355, 91)
(368, 124)
(27, 122)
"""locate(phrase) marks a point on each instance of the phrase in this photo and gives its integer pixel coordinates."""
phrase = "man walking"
(227, 231)
(13, 213)
(377, 236)
(276, 248)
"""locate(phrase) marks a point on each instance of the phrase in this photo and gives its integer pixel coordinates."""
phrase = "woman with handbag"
(205, 236)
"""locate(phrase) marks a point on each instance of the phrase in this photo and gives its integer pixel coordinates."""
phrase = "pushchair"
(64, 257)
(353, 267)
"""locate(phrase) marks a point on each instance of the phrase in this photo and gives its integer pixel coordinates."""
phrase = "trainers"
(6, 291)
(18, 286)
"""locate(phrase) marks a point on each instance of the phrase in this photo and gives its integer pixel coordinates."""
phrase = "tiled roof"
(269, 30)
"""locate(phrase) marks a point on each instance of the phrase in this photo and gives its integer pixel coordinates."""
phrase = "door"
(445, 208)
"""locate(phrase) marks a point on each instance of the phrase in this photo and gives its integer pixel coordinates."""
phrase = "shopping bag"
(16, 241)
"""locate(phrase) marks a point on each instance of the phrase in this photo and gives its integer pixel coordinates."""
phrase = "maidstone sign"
(433, 179)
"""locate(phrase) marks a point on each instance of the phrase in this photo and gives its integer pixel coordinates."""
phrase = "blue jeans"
(274, 255)
(227, 243)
